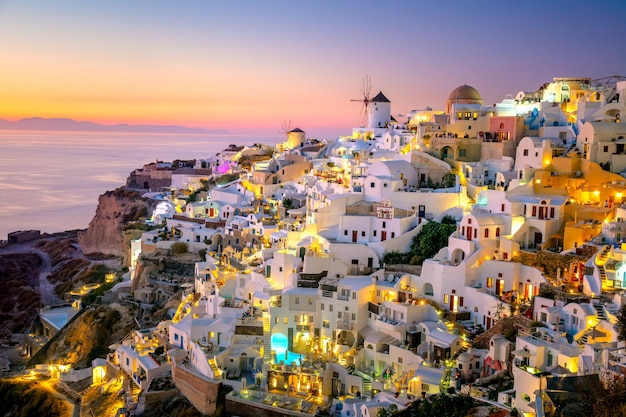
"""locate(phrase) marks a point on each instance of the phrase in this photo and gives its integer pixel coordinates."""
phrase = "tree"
(430, 240)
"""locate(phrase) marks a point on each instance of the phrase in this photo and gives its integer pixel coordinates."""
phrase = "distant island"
(40, 123)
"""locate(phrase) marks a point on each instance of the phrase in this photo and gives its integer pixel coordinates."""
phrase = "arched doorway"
(447, 152)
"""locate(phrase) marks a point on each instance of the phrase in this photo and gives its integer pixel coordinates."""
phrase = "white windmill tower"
(294, 138)
(380, 112)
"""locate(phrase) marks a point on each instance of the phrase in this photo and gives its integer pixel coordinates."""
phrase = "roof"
(379, 337)
(430, 375)
(464, 92)
(486, 219)
(443, 336)
(552, 200)
(380, 98)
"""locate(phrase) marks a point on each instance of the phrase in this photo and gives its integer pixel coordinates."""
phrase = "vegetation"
(426, 243)
(202, 254)
(621, 324)
(94, 296)
(22, 399)
(226, 178)
(441, 405)
(180, 248)
(101, 345)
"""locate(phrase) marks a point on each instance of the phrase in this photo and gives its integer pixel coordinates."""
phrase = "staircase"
(216, 369)
(602, 272)
(583, 340)
(367, 383)
(600, 310)
(367, 388)
(267, 349)
(601, 259)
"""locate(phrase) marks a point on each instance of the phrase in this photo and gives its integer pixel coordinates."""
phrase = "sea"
(51, 181)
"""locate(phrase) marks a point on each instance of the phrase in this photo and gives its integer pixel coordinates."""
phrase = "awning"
(521, 353)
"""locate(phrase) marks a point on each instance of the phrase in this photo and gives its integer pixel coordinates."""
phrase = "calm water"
(51, 180)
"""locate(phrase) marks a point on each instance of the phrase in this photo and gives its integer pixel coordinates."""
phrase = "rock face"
(115, 210)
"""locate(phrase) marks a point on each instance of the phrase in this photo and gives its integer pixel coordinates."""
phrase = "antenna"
(366, 99)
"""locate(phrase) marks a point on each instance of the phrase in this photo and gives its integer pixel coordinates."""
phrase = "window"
(502, 208)
(497, 231)
(286, 320)
(345, 233)
(486, 233)
(325, 324)
(384, 184)
(489, 282)
(384, 225)
(175, 336)
(310, 301)
(353, 316)
(354, 295)
(363, 233)
(280, 269)
(605, 148)
(330, 307)
(322, 306)
(393, 234)
(399, 359)
(446, 298)
(525, 152)
(462, 152)
(372, 184)
(211, 334)
(374, 233)
(297, 300)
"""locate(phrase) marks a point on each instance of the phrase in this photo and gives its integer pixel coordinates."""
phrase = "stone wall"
(243, 408)
(502, 326)
(200, 392)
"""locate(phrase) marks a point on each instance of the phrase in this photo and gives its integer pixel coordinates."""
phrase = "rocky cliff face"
(116, 209)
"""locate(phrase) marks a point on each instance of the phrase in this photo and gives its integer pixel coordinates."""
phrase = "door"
(454, 303)
(383, 235)
(468, 233)
(354, 232)
(421, 212)
(499, 287)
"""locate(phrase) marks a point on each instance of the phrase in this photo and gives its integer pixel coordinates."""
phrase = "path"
(46, 289)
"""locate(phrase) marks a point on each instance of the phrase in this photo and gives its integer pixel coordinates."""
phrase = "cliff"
(116, 209)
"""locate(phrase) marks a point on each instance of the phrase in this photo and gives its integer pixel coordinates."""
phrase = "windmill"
(366, 99)
(285, 128)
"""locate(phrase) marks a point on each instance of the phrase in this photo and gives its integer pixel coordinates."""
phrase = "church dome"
(464, 92)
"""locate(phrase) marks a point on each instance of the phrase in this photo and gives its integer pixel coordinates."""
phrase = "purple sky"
(248, 66)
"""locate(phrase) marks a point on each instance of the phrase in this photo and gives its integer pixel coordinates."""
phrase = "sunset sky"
(248, 66)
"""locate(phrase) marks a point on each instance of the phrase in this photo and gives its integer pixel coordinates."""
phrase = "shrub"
(179, 248)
